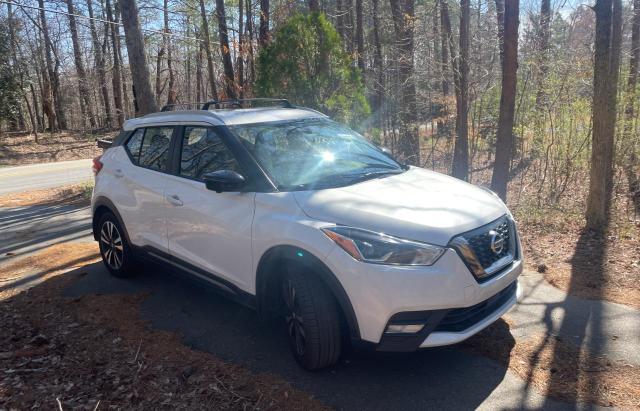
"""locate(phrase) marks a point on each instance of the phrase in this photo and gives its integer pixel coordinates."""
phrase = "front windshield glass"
(314, 153)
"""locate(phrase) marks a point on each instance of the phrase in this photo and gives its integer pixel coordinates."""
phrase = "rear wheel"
(312, 320)
(116, 252)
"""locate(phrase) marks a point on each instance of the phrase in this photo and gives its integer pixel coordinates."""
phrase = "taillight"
(97, 165)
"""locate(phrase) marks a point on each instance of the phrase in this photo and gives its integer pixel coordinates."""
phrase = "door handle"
(174, 200)
(118, 173)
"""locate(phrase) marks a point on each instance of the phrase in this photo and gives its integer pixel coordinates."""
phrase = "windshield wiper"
(374, 174)
(342, 180)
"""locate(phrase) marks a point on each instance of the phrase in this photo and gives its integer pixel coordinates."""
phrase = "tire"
(116, 252)
(312, 320)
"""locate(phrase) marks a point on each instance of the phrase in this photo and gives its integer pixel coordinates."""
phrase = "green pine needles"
(306, 64)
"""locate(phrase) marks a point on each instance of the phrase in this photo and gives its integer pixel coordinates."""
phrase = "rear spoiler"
(103, 143)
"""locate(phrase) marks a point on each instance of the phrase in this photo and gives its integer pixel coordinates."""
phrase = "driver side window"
(204, 152)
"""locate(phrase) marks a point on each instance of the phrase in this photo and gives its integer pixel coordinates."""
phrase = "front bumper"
(380, 294)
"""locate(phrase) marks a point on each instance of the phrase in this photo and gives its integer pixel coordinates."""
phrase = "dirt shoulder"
(76, 194)
(95, 351)
(581, 263)
(17, 149)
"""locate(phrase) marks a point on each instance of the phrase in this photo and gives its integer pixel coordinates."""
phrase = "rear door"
(209, 230)
(140, 184)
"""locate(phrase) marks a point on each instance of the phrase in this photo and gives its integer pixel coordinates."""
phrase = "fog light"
(404, 328)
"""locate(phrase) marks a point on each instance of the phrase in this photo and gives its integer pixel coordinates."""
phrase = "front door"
(209, 230)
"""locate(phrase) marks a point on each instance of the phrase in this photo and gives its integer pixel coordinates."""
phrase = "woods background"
(534, 98)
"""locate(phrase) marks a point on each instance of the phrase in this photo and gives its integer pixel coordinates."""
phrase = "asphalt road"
(45, 175)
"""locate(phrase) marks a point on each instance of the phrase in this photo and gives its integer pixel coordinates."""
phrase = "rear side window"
(150, 147)
(134, 144)
(203, 152)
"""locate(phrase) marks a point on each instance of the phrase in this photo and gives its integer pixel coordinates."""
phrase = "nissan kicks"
(302, 218)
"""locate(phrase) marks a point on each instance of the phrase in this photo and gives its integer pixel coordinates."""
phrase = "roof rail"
(238, 103)
(169, 107)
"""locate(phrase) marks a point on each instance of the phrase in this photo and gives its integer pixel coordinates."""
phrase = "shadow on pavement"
(443, 378)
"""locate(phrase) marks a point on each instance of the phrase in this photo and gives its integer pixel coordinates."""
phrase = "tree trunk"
(83, 86)
(207, 46)
(264, 23)
(116, 77)
(313, 5)
(240, 61)
(199, 74)
(543, 56)
(159, 58)
(403, 22)
(500, 19)
(172, 95)
(360, 36)
(631, 161)
(340, 20)
(605, 87)
(225, 51)
(100, 66)
(461, 150)
(123, 78)
(53, 75)
(250, 29)
(377, 62)
(504, 136)
(137, 58)
(444, 46)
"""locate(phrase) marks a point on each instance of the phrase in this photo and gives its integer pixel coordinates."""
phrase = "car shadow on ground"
(441, 378)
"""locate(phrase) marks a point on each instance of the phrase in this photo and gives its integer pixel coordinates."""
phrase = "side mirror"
(224, 180)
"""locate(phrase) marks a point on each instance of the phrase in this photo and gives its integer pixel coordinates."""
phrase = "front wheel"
(116, 253)
(312, 320)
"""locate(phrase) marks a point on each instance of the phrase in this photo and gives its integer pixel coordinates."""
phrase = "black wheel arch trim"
(291, 253)
(108, 204)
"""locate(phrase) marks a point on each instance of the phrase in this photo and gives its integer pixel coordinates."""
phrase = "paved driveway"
(443, 378)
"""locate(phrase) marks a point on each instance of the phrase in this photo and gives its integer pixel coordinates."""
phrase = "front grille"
(460, 319)
(481, 243)
(487, 249)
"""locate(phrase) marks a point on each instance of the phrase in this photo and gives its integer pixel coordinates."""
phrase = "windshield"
(314, 153)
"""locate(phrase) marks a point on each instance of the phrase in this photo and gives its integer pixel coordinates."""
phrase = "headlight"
(379, 248)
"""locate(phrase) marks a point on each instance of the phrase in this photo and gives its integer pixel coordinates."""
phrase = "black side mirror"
(224, 180)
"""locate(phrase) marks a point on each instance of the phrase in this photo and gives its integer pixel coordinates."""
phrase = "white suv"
(300, 217)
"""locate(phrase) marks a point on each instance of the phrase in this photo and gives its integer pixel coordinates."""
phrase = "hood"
(418, 204)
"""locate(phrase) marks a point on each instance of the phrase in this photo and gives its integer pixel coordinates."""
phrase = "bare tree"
(240, 57)
(100, 65)
(137, 58)
(543, 57)
(377, 62)
(172, 94)
(461, 149)
(631, 161)
(403, 23)
(264, 23)
(53, 81)
(225, 50)
(116, 77)
(605, 87)
(360, 35)
(83, 87)
(504, 136)
(207, 47)
(444, 45)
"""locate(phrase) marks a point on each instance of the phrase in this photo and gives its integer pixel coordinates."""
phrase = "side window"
(134, 144)
(154, 152)
(203, 152)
